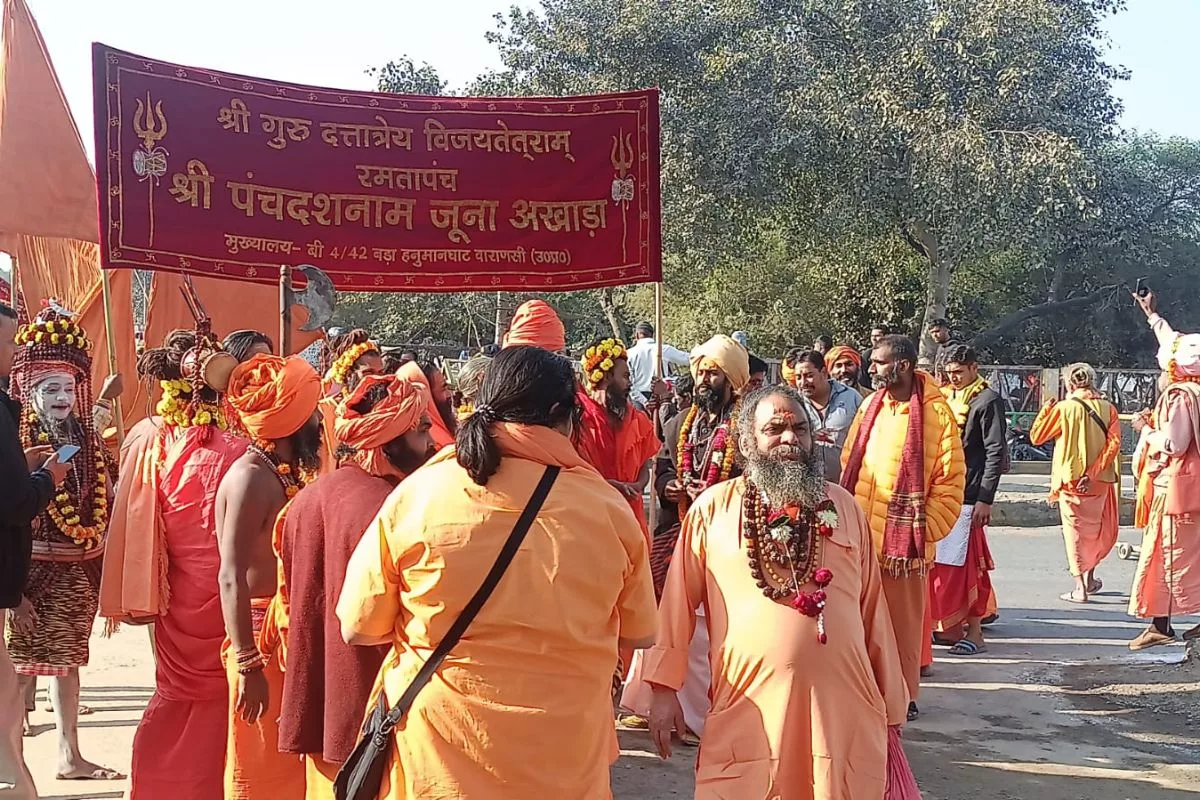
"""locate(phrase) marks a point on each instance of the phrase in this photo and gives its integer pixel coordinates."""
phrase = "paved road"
(1033, 719)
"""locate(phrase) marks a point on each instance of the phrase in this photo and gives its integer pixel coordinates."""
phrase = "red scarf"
(904, 530)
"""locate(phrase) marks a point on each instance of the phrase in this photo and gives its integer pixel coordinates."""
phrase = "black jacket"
(984, 442)
(22, 497)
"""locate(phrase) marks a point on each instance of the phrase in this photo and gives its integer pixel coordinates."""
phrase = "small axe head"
(319, 297)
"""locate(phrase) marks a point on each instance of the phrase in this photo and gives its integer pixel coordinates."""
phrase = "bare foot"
(26, 728)
(82, 770)
(83, 710)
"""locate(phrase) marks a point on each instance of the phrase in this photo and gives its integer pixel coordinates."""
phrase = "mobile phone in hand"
(66, 453)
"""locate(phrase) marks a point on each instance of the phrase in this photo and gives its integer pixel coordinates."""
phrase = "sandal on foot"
(913, 712)
(1073, 597)
(966, 647)
(988, 620)
(97, 774)
(1095, 586)
(1151, 637)
(1192, 633)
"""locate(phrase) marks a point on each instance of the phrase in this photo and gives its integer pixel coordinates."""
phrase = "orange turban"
(841, 351)
(392, 417)
(726, 355)
(536, 323)
(274, 396)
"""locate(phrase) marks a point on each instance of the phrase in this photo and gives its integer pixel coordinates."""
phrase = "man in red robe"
(615, 437)
(383, 433)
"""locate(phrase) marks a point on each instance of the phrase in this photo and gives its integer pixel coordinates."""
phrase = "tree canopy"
(830, 164)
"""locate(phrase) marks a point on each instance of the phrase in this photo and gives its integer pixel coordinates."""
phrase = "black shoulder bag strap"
(362, 774)
(1091, 412)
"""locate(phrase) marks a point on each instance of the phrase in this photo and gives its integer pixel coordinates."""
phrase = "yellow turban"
(726, 355)
(274, 396)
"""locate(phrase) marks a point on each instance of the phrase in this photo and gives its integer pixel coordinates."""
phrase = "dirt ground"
(1057, 709)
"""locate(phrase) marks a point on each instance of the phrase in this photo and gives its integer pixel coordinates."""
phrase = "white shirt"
(641, 363)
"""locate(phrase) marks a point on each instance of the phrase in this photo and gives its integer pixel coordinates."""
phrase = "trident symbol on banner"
(150, 163)
(622, 185)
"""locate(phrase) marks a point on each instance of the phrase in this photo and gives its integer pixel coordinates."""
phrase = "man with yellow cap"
(276, 401)
(383, 435)
(699, 451)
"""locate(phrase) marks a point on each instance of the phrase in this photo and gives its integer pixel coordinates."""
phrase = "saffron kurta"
(1082, 447)
(791, 719)
(165, 514)
(522, 706)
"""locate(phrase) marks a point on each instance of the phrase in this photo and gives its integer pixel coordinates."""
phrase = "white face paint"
(54, 396)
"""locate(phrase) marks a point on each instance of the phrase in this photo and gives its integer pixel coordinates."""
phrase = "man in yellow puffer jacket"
(903, 461)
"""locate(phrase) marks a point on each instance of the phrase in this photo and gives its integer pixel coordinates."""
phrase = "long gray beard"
(801, 481)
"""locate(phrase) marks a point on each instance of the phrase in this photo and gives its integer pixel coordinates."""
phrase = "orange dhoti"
(956, 593)
(254, 767)
(907, 597)
(1167, 582)
(1089, 523)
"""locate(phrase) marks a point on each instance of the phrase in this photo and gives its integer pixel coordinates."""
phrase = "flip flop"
(913, 712)
(1071, 597)
(988, 620)
(965, 647)
(98, 774)
(1151, 637)
(1192, 633)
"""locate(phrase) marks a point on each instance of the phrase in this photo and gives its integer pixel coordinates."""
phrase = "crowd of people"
(301, 541)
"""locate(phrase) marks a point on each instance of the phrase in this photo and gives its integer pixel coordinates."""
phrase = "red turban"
(390, 418)
(842, 351)
(536, 323)
(274, 396)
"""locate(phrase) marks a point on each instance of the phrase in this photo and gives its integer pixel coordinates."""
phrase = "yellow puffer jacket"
(945, 469)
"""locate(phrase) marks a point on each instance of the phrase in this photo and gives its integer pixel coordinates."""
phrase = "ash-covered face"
(54, 396)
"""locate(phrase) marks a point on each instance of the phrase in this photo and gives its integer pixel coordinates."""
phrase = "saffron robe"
(618, 451)
(791, 718)
(522, 706)
(166, 517)
(1090, 518)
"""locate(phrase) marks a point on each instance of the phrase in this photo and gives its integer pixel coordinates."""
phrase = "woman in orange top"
(521, 708)
(1084, 479)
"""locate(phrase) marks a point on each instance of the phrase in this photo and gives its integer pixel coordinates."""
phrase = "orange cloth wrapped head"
(842, 351)
(726, 355)
(390, 418)
(274, 396)
(537, 324)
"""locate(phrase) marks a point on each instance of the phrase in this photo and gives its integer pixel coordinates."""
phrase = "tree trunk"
(937, 286)
(613, 314)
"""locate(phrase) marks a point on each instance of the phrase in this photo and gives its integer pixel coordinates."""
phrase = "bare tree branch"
(1014, 319)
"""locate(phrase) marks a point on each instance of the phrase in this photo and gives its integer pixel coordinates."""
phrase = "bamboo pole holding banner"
(658, 374)
(285, 310)
(110, 338)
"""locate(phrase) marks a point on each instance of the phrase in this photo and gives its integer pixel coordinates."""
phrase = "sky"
(334, 43)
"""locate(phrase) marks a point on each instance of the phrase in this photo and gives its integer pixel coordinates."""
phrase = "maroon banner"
(218, 174)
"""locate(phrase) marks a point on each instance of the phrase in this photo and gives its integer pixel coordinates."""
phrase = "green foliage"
(832, 163)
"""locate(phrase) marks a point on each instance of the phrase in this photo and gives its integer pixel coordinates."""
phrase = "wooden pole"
(285, 310)
(658, 373)
(110, 339)
(499, 338)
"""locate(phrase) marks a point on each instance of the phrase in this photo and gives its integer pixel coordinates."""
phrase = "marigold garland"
(724, 441)
(60, 331)
(179, 406)
(345, 362)
(64, 511)
(600, 359)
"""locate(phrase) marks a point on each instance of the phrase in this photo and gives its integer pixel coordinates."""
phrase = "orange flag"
(49, 188)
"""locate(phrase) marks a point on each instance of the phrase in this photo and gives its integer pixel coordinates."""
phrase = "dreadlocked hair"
(166, 363)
